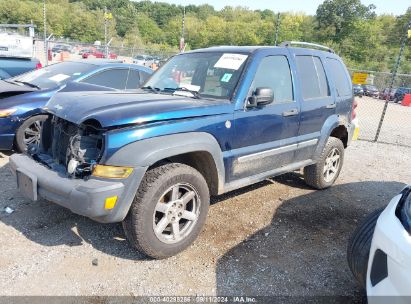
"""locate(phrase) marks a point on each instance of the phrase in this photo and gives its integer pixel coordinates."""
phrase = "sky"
(396, 7)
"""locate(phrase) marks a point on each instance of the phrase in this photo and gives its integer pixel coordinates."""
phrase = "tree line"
(364, 39)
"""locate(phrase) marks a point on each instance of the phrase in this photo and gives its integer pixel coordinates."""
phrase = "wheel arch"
(341, 133)
(334, 126)
(197, 149)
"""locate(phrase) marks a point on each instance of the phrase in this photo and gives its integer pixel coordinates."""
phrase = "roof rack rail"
(307, 44)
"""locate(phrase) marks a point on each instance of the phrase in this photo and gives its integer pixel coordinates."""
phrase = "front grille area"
(62, 133)
(63, 141)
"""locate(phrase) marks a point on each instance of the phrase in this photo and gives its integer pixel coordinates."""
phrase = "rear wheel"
(324, 173)
(29, 132)
(358, 250)
(169, 210)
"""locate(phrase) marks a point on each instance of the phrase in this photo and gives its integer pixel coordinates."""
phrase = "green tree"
(336, 18)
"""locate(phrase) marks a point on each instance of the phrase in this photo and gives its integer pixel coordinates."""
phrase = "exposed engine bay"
(68, 147)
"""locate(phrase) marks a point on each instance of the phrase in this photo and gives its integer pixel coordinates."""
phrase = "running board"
(234, 185)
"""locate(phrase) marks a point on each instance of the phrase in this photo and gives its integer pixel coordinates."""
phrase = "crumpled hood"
(124, 108)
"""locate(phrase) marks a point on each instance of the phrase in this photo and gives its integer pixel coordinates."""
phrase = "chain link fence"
(395, 124)
(68, 50)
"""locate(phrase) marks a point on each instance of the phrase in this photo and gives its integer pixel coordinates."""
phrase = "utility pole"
(182, 43)
(394, 75)
(46, 55)
(107, 17)
(105, 31)
(277, 29)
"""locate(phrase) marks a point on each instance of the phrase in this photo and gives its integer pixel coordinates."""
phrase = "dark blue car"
(22, 97)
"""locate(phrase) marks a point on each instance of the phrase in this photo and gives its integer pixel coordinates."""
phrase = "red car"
(98, 54)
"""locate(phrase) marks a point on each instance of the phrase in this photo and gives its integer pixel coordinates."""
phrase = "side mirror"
(261, 97)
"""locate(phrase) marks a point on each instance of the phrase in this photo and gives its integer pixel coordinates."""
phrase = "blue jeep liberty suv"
(207, 122)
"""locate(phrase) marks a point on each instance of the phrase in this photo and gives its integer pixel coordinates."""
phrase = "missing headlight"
(74, 148)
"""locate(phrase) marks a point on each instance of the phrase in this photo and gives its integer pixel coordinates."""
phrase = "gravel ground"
(277, 237)
(396, 122)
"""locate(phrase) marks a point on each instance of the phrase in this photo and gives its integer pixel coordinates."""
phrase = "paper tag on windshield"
(59, 77)
(230, 61)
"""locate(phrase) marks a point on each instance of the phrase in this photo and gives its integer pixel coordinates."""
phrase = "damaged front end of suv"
(69, 148)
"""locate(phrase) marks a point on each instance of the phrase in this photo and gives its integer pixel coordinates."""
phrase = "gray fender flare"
(147, 152)
(330, 124)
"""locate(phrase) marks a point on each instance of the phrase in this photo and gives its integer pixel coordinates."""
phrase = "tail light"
(38, 66)
(354, 106)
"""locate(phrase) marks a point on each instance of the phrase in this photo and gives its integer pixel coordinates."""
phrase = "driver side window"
(274, 72)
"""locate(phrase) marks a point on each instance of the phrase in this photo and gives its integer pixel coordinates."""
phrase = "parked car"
(58, 48)
(23, 97)
(379, 251)
(207, 122)
(358, 90)
(98, 54)
(399, 94)
(86, 50)
(13, 66)
(371, 91)
(144, 60)
(16, 55)
(387, 94)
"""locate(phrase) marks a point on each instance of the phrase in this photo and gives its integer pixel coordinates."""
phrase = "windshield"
(213, 74)
(54, 75)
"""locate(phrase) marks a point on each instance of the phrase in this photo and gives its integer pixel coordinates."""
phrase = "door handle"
(291, 112)
(331, 106)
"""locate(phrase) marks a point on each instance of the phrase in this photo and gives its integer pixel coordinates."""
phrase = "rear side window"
(341, 81)
(274, 72)
(133, 81)
(313, 79)
(113, 78)
(143, 77)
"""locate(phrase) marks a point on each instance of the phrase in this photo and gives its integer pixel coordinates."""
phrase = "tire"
(359, 245)
(315, 175)
(147, 212)
(34, 124)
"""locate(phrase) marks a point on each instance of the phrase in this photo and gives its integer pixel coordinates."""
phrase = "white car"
(144, 60)
(379, 252)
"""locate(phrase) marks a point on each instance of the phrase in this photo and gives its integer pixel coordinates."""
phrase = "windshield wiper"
(154, 90)
(9, 81)
(195, 94)
(28, 84)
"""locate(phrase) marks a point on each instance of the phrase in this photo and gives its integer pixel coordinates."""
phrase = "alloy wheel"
(176, 213)
(332, 165)
(32, 133)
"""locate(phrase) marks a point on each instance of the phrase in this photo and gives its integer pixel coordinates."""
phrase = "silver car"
(144, 60)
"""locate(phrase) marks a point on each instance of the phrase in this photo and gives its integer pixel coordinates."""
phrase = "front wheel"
(29, 132)
(324, 173)
(169, 210)
(359, 245)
